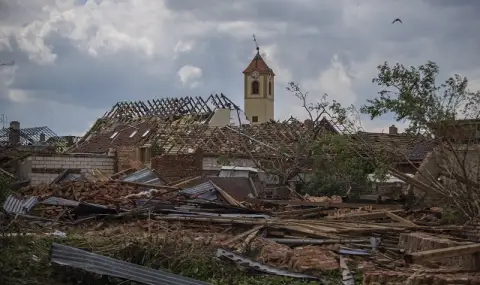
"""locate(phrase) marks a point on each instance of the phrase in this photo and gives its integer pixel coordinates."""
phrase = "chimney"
(393, 130)
(14, 133)
(42, 137)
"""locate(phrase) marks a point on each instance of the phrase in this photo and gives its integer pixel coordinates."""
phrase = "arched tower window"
(255, 87)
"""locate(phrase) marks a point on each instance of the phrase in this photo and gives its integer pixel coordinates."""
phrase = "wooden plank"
(438, 254)
(363, 216)
(399, 219)
(242, 235)
(322, 204)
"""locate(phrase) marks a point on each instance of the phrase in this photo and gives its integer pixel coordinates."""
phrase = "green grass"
(25, 261)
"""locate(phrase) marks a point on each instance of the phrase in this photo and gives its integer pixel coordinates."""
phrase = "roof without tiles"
(186, 136)
(404, 146)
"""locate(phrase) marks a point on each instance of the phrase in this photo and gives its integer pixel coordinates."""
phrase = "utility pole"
(3, 120)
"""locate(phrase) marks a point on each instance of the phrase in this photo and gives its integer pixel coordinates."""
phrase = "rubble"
(308, 235)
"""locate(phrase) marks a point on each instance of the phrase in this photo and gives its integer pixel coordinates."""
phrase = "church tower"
(259, 93)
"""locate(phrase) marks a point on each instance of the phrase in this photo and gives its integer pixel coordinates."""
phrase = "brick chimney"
(392, 130)
(42, 137)
(14, 133)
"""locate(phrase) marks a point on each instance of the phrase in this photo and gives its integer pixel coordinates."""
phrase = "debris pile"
(290, 237)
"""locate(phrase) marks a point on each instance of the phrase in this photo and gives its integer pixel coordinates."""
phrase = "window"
(134, 132)
(255, 87)
(145, 133)
(254, 119)
(269, 88)
(114, 135)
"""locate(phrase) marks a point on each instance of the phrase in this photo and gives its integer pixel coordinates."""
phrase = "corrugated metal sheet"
(21, 206)
(348, 251)
(60, 202)
(246, 262)
(74, 257)
(347, 276)
(146, 176)
(206, 191)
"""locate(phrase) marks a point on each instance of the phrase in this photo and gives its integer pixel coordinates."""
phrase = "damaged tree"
(447, 116)
(326, 147)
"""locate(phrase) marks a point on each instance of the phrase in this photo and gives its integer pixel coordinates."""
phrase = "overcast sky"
(74, 59)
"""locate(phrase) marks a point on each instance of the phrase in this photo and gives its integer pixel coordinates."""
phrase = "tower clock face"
(255, 75)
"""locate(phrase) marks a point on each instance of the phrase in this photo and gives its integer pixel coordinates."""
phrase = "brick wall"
(178, 166)
(125, 156)
(44, 168)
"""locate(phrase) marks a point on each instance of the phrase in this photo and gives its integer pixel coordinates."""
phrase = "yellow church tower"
(259, 93)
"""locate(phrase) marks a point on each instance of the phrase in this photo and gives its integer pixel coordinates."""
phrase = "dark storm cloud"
(307, 13)
(307, 34)
(78, 78)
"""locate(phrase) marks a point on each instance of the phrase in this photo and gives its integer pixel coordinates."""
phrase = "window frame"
(255, 91)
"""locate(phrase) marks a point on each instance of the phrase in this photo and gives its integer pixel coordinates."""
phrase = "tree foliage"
(4, 189)
(436, 110)
(413, 95)
(337, 167)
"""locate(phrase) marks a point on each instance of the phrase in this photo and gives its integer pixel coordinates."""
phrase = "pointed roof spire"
(258, 64)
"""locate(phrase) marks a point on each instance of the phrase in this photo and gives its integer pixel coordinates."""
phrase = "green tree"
(337, 161)
(413, 95)
(338, 168)
(437, 111)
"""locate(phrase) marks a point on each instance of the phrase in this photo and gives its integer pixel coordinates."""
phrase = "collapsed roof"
(37, 136)
(184, 125)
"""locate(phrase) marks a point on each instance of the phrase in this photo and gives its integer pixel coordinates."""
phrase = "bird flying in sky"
(397, 20)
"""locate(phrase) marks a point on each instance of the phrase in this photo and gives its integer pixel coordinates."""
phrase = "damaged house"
(188, 137)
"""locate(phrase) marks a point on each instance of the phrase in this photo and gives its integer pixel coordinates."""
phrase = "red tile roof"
(259, 65)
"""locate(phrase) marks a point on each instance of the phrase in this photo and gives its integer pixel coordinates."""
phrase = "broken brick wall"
(178, 166)
(126, 155)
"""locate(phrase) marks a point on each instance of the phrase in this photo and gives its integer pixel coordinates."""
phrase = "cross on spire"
(256, 43)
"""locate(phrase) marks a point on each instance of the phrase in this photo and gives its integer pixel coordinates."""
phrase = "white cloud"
(334, 81)
(20, 96)
(283, 75)
(182, 47)
(189, 75)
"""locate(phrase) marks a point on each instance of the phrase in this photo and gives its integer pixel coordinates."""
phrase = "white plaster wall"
(86, 164)
(210, 163)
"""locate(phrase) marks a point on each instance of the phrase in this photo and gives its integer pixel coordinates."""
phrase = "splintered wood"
(313, 257)
(106, 193)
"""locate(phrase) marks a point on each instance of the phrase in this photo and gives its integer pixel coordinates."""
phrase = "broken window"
(134, 132)
(255, 87)
(114, 135)
(254, 119)
(145, 133)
